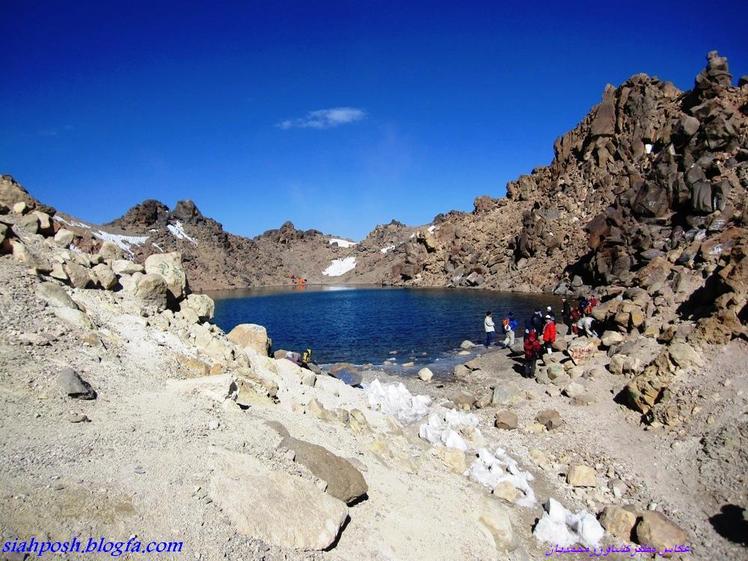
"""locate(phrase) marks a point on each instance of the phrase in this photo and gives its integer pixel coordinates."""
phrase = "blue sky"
(104, 104)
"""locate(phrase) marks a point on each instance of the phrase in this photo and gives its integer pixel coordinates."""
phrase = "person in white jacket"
(489, 328)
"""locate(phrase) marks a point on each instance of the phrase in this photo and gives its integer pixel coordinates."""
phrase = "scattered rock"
(126, 267)
(467, 345)
(580, 475)
(72, 385)
(104, 276)
(506, 420)
(618, 521)
(656, 530)
(64, 237)
(201, 304)
(549, 418)
(425, 374)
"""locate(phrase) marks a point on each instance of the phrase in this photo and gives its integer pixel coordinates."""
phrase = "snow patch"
(71, 222)
(564, 528)
(387, 248)
(431, 229)
(491, 469)
(341, 243)
(177, 230)
(125, 243)
(157, 247)
(340, 267)
(450, 428)
(396, 400)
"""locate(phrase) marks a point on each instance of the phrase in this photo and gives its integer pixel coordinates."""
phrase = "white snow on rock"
(71, 222)
(564, 528)
(491, 469)
(161, 249)
(396, 400)
(340, 267)
(450, 428)
(341, 243)
(123, 242)
(431, 229)
(177, 230)
(387, 248)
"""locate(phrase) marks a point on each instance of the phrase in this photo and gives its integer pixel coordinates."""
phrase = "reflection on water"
(371, 324)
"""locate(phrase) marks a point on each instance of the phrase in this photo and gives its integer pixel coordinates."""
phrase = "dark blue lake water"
(366, 325)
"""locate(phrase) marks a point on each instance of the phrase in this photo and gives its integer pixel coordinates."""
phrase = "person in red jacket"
(532, 350)
(549, 333)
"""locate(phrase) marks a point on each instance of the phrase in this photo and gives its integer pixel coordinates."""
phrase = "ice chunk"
(491, 469)
(449, 428)
(396, 400)
(564, 528)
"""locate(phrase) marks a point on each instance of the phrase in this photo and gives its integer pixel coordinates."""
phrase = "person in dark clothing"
(566, 312)
(532, 350)
(536, 322)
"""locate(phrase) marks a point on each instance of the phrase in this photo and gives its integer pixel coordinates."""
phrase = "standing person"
(566, 312)
(536, 322)
(510, 325)
(489, 328)
(532, 350)
(549, 333)
(575, 315)
(549, 312)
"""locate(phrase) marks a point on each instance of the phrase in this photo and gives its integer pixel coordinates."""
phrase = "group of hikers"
(540, 329)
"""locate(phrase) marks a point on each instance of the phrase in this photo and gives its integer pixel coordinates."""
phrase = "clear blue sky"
(104, 104)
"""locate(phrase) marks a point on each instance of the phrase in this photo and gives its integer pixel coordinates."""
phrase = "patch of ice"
(177, 230)
(564, 528)
(340, 267)
(341, 243)
(387, 248)
(449, 428)
(396, 400)
(123, 242)
(491, 469)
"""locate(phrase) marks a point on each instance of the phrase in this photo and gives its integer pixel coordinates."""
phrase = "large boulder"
(169, 266)
(656, 530)
(251, 336)
(344, 481)
(203, 306)
(152, 291)
(582, 349)
(280, 509)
